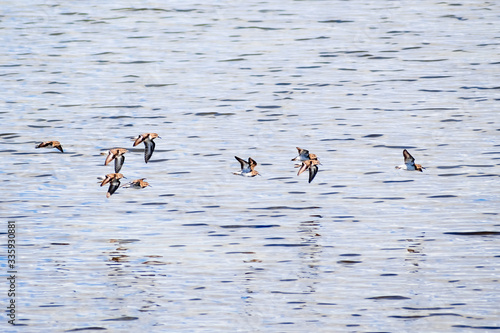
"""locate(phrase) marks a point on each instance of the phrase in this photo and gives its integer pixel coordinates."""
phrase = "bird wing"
(139, 139)
(119, 163)
(42, 145)
(113, 186)
(150, 148)
(109, 158)
(243, 163)
(305, 154)
(313, 170)
(106, 180)
(303, 167)
(408, 158)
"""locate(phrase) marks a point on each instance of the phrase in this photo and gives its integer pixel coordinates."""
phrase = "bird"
(51, 144)
(117, 155)
(138, 183)
(114, 182)
(312, 165)
(303, 155)
(410, 163)
(149, 144)
(247, 168)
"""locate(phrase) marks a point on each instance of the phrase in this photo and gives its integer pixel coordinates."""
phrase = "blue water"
(363, 248)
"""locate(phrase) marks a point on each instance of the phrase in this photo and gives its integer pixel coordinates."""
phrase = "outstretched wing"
(150, 148)
(139, 139)
(113, 186)
(303, 154)
(303, 167)
(313, 170)
(119, 163)
(408, 158)
(105, 180)
(243, 163)
(109, 158)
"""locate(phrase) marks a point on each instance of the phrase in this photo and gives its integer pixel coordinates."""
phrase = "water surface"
(363, 248)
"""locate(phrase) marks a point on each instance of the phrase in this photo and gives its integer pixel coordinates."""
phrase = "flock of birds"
(118, 155)
(309, 161)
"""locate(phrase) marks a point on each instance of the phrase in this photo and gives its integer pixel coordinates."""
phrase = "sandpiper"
(114, 182)
(312, 165)
(51, 144)
(247, 168)
(138, 183)
(410, 163)
(149, 144)
(303, 155)
(117, 155)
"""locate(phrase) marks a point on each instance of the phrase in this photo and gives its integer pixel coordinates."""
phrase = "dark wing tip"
(313, 170)
(113, 187)
(149, 149)
(407, 155)
(252, 162)
(242, 162)
(138, 140)
(119, 163)
(303, 167)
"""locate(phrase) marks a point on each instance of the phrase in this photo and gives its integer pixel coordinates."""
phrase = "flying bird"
(50, 144)
(247, 168)
(410, 163)
(117, 155)
(149, 144)
(114, 182)
(303, 155)
(138, 183)
(312, 165)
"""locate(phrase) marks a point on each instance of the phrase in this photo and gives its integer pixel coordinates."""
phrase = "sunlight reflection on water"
(364, 247)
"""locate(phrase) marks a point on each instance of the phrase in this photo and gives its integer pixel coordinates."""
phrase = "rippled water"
(363, 248)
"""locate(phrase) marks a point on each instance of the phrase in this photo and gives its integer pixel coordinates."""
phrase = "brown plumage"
(312, 165)
(114, 182)
(138, 183)
(51, 144)
(149, 144)
(247, 168)
(117, 155)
